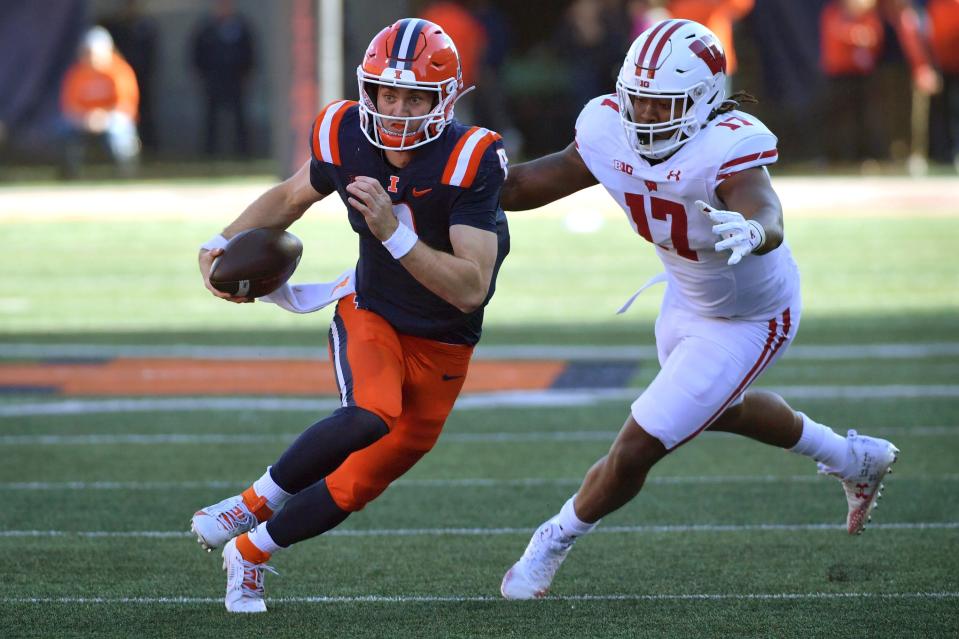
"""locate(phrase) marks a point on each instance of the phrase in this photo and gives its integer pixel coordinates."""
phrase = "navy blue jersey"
(455, 179)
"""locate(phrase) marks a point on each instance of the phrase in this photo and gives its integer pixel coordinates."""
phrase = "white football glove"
(741, 236)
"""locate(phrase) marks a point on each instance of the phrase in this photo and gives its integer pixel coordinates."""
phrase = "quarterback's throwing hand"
(740, 236)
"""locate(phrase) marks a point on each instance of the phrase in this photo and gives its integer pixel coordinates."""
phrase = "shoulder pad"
(326, 128)
(599, 130)
(465, 158)
(737, 141)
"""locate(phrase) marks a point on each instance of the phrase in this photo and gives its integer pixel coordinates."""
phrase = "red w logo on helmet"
(707, 49)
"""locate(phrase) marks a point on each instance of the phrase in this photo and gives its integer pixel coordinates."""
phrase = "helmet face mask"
(409, 54)
(676, 60)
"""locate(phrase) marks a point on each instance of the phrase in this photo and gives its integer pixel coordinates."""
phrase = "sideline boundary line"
(478, 482)
(472, 532)
(760, 596)
(150, 439)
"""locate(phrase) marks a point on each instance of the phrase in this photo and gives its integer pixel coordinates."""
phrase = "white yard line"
(446, 483)
(150, 439)
(471, 532)
(400, 599)
(504, 399)
(922, 350)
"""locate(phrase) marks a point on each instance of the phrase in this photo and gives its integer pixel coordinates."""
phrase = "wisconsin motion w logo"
(709, 51)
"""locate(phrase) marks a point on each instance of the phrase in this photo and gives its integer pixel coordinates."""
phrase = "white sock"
(572, 525)
(822, 444)
(260, 537)
(266, 487)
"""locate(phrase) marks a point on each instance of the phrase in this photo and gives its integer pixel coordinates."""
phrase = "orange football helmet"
(409, 54)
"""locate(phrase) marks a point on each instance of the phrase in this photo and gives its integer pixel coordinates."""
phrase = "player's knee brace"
(322, 447)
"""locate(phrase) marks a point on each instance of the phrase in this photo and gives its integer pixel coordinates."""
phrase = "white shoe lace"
(232, 514)
(231, 520)
(252, 584)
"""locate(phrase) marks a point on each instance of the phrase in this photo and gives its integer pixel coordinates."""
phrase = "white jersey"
(659, 204)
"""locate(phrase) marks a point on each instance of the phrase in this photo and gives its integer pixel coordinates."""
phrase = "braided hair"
(732, 103)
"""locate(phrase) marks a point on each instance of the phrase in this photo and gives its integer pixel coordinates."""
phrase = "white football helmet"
(678, 60)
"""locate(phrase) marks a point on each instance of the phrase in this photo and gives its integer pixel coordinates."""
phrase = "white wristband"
(215, 242)
(760, 231)
(401, 242)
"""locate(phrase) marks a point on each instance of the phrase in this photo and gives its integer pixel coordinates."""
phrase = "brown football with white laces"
(256, 262)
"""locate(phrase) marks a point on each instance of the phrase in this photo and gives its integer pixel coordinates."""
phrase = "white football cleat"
(531, 576)
(871, 459)
(244, 581)
(217, 524)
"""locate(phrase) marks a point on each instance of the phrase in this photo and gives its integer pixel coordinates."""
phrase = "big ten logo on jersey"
(619, 165)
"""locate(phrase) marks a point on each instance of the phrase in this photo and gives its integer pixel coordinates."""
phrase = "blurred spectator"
(851, 46)
(99, 99)
(223, 57)
(718, 16)
(492, 105)
(944, 38)
(643, 14)
(469, 34)
(591, 41)
(135, 37)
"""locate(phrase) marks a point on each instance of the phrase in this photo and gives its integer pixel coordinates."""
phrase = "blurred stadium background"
(128, 396)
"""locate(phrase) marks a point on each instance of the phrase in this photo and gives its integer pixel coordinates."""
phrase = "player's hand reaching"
(206, 265)
(739, 235)
(369, 198)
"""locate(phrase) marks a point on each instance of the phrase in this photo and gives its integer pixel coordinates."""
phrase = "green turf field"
(729, 539)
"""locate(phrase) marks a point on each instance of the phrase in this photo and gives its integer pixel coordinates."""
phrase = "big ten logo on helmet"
(619, 165)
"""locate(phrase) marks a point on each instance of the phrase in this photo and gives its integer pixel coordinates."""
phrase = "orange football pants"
(410, 382)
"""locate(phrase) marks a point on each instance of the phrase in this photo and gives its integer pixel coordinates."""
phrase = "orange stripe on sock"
(256, 504)
(249, 551)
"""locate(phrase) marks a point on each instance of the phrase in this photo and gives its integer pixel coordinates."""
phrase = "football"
(256, 262)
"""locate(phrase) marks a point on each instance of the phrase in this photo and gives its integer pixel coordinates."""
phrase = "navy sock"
(322, 447)
(309, 513)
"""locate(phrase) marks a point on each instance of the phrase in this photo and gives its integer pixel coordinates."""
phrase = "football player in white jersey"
(689, 170)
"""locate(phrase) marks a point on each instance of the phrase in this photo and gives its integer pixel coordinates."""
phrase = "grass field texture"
(729, 538)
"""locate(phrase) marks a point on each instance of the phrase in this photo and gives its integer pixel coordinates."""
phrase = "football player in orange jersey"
(422, 192)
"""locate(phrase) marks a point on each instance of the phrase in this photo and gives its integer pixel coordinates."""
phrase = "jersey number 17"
(666, 210)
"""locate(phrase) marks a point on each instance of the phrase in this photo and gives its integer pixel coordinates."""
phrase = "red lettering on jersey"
(651, 186)
(706, 49)
(612, 105)
(619, 165)
(731, 122)
(673, 175)
(394, 180)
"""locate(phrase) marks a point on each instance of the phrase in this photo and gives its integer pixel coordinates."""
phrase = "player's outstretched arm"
(538, 182)
(278, 207)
